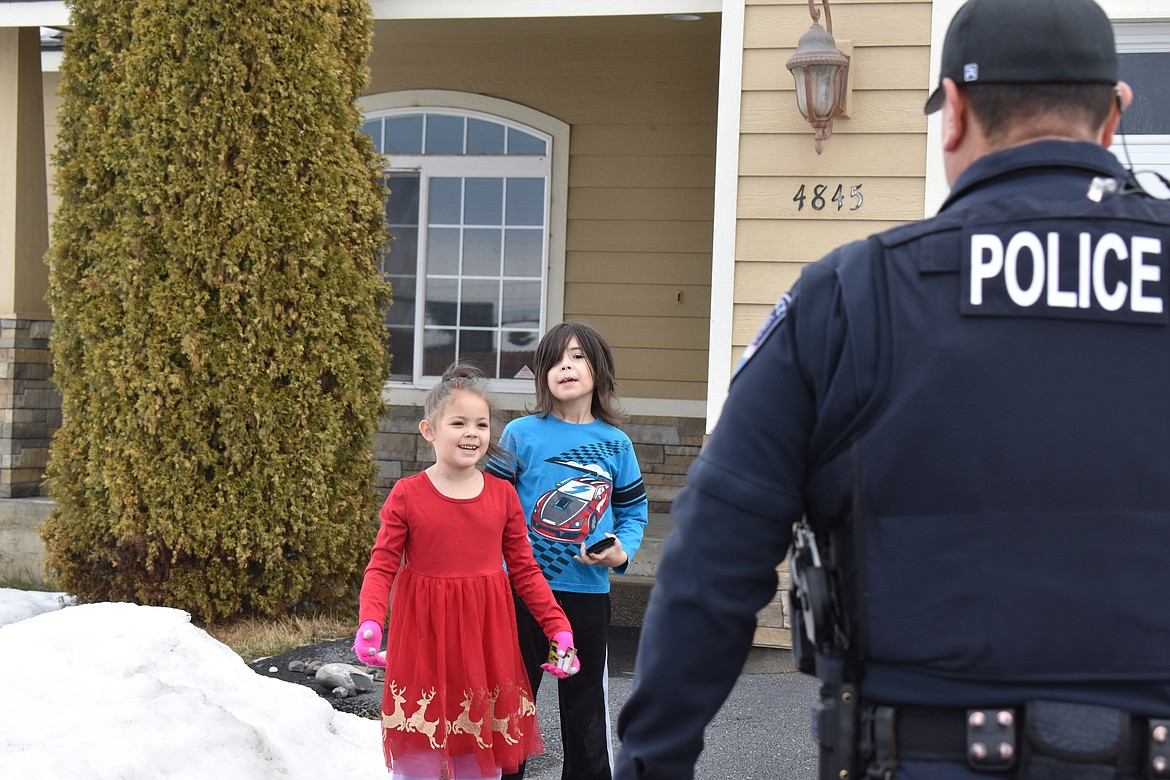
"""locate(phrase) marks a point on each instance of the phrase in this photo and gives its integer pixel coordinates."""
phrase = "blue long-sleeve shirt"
(576, 482)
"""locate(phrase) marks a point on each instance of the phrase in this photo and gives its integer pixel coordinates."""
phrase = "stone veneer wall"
(665, 446)
(30, 406)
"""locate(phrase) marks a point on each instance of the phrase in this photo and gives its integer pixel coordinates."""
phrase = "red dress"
(455, 680)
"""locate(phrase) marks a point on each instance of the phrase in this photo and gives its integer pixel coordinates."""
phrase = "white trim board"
(42, 14)
(726, 196)
(942, 11)
(1135, 10)
(508, 9)
(53, 13)
(1133, 37)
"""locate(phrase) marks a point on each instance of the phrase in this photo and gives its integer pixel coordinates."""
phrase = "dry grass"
(25, 583)
(254, 638)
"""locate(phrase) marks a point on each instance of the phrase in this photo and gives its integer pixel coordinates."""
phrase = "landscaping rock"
(347, 677)
(300, 667)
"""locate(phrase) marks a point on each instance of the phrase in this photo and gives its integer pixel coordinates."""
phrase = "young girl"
(457, 701)
(579, 483)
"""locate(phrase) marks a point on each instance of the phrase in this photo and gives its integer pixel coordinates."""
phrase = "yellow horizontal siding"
(764, 283)
(845, 156)
(642, 203)
(653, 300)
(692, 269)
(879, 145)
(640, 95)
(654, 140)
(804, 3)
(869, 24)
(665, 365)
(882, 198)
(627, 171)
(654, 388)
(622, 236)
(799, 240)
(870, 67)
(747, 322)
(639, 330)
(871, 112)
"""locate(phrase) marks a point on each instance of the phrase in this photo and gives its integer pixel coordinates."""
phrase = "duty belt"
(1043, 740)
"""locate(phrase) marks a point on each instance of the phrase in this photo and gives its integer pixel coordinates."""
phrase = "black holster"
(837, 722)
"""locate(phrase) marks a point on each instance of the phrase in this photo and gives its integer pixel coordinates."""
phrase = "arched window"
(469, 219)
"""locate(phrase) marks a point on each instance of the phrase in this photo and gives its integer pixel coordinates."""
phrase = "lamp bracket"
(815, 13)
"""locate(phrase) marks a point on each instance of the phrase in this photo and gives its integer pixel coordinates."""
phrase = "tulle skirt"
(455, 680)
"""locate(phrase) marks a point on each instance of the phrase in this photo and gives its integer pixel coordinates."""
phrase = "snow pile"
(125, 691)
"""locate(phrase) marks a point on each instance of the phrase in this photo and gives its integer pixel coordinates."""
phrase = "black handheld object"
(601, 546)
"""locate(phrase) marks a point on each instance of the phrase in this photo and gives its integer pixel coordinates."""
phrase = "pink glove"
(562, 656)
(366, 644)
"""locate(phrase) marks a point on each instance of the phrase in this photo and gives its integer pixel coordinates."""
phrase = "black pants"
(583, 698)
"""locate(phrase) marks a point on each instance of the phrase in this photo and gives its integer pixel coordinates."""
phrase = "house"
(639, 164)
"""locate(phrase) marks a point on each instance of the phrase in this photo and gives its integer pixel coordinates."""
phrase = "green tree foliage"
(219, 317)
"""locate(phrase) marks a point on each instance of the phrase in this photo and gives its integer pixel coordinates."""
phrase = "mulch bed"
(368, 704)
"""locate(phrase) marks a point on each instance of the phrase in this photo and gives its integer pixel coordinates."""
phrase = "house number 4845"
(817, 197)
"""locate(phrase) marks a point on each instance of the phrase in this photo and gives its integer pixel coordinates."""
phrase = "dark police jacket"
(978, 405)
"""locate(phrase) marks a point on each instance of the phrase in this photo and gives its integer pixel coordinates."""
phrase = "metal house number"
(818, 199)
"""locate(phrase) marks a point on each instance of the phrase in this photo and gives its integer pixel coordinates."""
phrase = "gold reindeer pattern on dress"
(418, 721)
(527, 706)
(508, 726)
(464, 724)
(397, 719)
(504, 724)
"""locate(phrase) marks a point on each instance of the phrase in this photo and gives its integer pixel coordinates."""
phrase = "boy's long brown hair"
(597, 352)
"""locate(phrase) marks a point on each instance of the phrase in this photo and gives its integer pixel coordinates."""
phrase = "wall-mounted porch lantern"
(821, 72)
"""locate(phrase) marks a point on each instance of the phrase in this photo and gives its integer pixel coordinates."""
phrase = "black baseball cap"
(1027, 41)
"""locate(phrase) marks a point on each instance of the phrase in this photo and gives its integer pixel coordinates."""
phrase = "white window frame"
(1144, 152)
(431, 166)
(555, 167)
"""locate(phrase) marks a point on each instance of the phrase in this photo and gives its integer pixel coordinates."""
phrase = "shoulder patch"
(779, 312)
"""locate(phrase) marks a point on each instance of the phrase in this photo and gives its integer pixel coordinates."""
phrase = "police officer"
(966, 421)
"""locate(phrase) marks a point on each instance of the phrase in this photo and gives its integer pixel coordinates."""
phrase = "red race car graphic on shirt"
(569, 512)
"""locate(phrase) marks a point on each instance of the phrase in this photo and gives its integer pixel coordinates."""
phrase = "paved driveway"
(761, 733)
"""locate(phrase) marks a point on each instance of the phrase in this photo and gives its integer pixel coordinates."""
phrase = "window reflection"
(444, 134)
(403, 135)
(525, 202)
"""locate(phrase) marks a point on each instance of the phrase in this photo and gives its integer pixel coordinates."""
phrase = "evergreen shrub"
(218, 337)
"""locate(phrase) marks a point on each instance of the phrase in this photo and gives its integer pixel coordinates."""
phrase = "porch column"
(30, 406)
